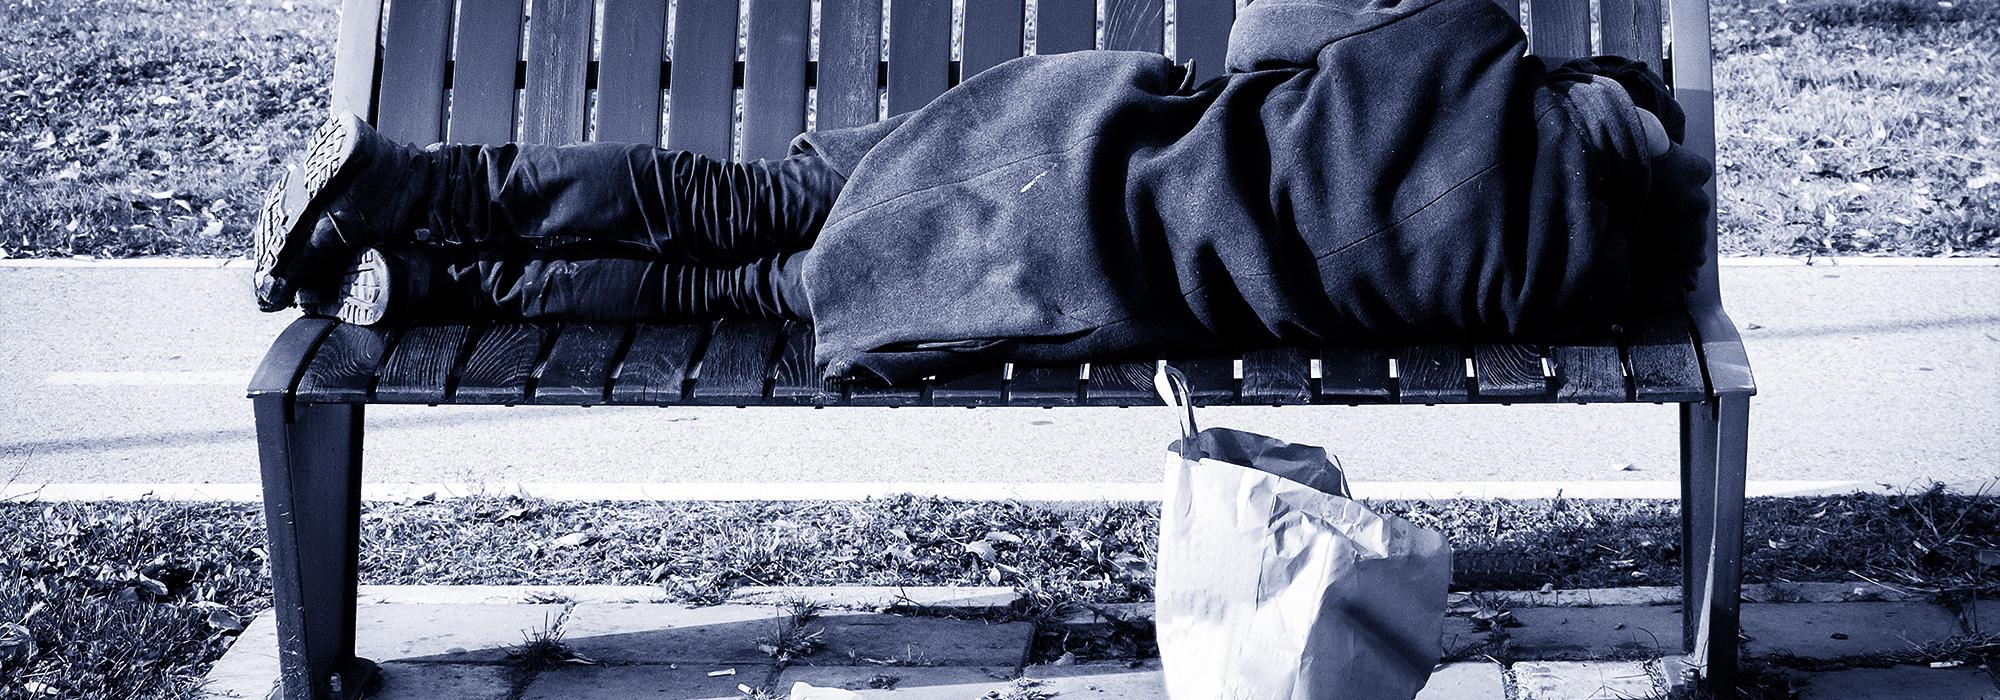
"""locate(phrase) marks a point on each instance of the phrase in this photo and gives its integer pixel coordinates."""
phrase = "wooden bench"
(429, 70)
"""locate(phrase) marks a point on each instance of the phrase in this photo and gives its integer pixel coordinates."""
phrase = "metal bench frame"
(433, 70)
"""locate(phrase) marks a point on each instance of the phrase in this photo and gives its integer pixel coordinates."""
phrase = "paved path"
(455, 641)
(120, 374)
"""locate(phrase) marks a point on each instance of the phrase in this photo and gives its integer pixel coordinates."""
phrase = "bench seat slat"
(1665, 366)
(656, 366)
(1058, 385)
(1355, 375)
(735, 367)
(419, 369)
(1277, 376)
(1121, 384)
(981, 387)
(1508, 372)
(1431, 373)
(1589, 372)
(578, 369)
(795, 380)
(502, 362)
(1211, 381)
(343, 369)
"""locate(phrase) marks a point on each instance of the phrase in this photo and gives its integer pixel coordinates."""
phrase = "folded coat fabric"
(1363, 170)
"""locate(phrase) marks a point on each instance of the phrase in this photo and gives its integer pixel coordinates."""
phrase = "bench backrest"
(562, 71)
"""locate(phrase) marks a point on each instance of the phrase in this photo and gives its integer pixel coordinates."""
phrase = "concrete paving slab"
(1104, 681)
(1641, 631)
(955, 599)
(1468, 680)
(1981, 617)
(388, 635)
(637, 682)
(497, 595)
(457, 681)
(249, 669)
(1583, 680)
(904, 682)
(1844, 630)
(1901, 683)
(665, 633)
(865, 638)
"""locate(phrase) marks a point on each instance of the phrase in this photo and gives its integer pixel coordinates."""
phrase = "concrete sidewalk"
(1828, 640)
(125, 373)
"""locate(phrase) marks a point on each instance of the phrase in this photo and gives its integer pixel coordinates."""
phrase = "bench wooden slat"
(411, 101)
(860, 394)
(795, 377)
(502, 363)
(850, 57)
(1060, 385)
(1559, 29)
(1277, 376)
(1588, 372)
(1134, 25)
(355, 52)
(992, 34)
(1211, 380)
(1509, 372)
(1354, 375)
(656, 366)
(1201, 34)
(735, 365)
(552, 108)
(1431, 373)
(578, 369)
(419, 369)
(919, 52)
(343, 369)
(1632, 28)
(1062, 26)
(701, 105)
(1665, 366)
(978, 388)
(1121, 384)
(482, 72)
(628, 71)
(774, 78)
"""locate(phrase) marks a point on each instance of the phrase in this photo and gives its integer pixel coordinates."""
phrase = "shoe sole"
(293, 205)
(362, 297)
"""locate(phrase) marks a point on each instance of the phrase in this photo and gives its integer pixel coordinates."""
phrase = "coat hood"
(1273, 34)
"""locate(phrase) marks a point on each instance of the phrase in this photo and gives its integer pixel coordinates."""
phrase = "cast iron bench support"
(433, 70)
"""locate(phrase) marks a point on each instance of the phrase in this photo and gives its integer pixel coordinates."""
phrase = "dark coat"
(1363, 170)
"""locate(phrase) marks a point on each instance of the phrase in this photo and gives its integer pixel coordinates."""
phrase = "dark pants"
(616, 232)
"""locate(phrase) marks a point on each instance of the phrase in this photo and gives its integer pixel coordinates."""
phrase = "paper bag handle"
(1173, 388)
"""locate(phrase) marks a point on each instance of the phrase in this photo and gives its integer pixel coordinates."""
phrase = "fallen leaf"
(1002, 536)
(574, 539)
(984, 550)
(225, 620)
(165, 101)
(47, 140)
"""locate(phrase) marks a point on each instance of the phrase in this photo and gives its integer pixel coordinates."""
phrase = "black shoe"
(363, 295)
(352, 188)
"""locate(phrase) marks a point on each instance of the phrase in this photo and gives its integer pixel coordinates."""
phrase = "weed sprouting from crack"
(544, 648)
(1023, 689)
(789, 638)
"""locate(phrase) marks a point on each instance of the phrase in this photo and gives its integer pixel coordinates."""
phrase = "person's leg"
(583, 282)
(355, 189)
(672, 204)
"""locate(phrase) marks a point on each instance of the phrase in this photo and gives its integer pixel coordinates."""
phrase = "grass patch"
(147, 127)
(137, 599)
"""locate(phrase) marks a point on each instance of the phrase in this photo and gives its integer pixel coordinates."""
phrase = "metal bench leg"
(1715, 446)
(311, 456)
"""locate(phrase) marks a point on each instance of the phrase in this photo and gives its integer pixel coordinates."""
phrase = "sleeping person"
(1363, 170)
